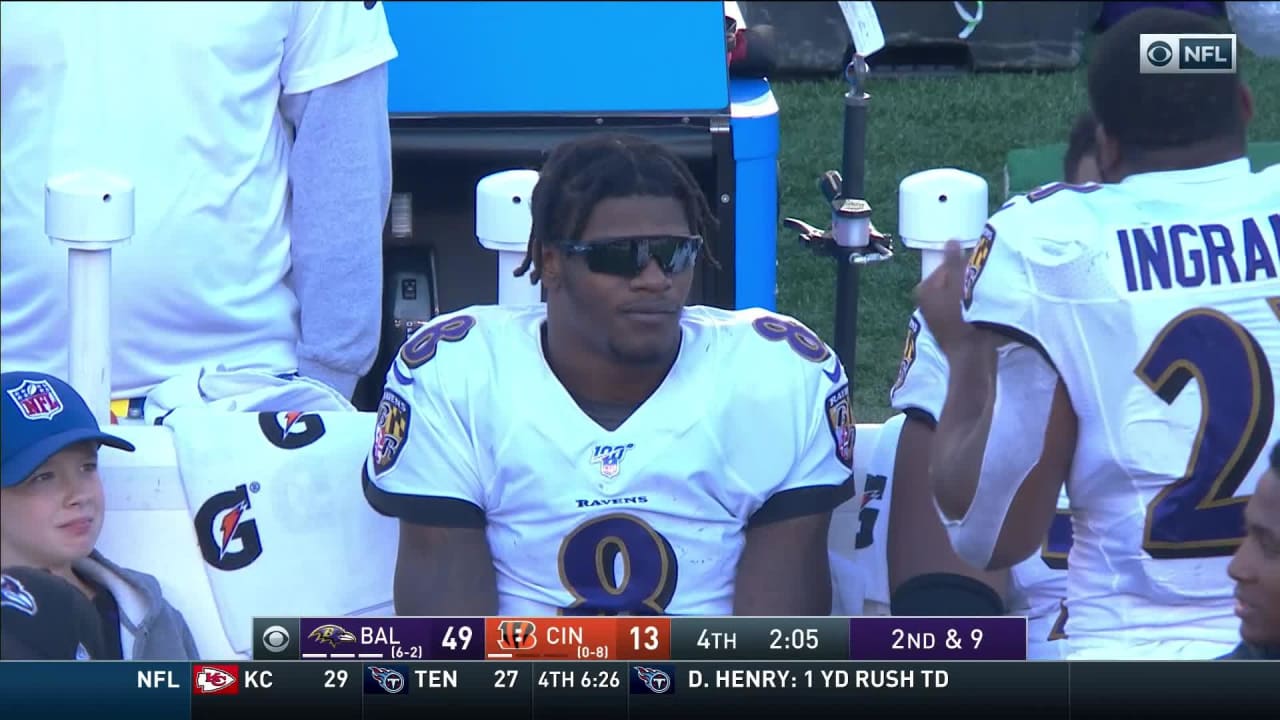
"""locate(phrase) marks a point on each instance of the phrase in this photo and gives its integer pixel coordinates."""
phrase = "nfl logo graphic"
(609, 457)
(36, 399)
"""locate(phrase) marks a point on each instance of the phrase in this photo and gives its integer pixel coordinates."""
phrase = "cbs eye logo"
(1159, 53)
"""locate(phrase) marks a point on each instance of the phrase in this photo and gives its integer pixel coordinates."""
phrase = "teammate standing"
(613, 451)
(256, 136)
(1145, 315)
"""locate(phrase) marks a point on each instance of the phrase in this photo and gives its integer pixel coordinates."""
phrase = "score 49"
(926, 640)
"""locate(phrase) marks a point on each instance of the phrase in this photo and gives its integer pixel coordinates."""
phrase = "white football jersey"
(648, 518)
(1037, 589)
(1158, 301)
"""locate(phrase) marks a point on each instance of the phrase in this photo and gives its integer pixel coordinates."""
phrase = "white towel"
(861, 575)
(242, 391)
(283, 524)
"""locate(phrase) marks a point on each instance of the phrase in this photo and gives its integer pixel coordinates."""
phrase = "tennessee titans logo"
(389, 680)
(36, 400)
(655, 680)
(13, 594)
(609, 458)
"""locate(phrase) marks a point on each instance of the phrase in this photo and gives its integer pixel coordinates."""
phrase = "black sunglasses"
(629, 256)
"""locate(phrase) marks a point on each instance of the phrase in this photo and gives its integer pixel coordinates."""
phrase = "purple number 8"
(422, 347)
(800, 338)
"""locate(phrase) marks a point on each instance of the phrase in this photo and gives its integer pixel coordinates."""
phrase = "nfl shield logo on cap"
(36, 399)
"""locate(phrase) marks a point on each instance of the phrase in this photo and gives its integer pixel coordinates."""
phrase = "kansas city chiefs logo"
(215, 679)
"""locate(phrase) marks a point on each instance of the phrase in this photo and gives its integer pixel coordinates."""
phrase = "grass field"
(969, 122)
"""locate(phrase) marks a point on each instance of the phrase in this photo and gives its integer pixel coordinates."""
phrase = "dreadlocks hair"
(580, 173)
(1082, 141)
(1146, 112)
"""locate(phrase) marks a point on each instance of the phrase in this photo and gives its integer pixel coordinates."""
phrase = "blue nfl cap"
(42, 415)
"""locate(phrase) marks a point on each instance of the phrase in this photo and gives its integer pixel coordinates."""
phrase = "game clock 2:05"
(793, 639)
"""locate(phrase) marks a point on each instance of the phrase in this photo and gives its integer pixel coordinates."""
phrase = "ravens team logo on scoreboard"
(517, 635)
(331, 635)
(977, 262)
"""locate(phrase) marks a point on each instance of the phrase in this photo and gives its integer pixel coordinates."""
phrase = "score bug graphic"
(215, 680)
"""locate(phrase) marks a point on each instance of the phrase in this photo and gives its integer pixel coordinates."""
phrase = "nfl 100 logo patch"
(36, 399)
(609, 458)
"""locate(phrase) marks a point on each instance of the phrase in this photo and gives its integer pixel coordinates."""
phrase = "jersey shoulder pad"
(1056, 194)
(461, 341)
(786, 337)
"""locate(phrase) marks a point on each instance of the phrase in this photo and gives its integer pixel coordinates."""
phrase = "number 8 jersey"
(1158, 301)
(752, 424)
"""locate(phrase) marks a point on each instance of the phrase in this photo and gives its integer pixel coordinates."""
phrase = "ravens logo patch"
(908, 353)
(840, 421)
(391, 431)
(977, 262)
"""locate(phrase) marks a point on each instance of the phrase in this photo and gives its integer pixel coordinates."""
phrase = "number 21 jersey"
(1158, 301)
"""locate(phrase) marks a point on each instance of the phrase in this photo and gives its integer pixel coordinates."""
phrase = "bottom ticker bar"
(661, 690)
(843, 690)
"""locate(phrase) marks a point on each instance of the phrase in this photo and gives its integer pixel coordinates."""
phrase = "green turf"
(969, 122)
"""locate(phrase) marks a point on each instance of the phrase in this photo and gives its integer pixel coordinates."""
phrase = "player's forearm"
(918, 543)
(784, 569)
(960, 440)
(340, 180)
(453, 575)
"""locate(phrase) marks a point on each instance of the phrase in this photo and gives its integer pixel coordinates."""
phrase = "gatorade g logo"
(291, 430)
(228, 535)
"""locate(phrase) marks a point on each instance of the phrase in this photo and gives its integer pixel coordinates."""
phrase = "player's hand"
(939, 298)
